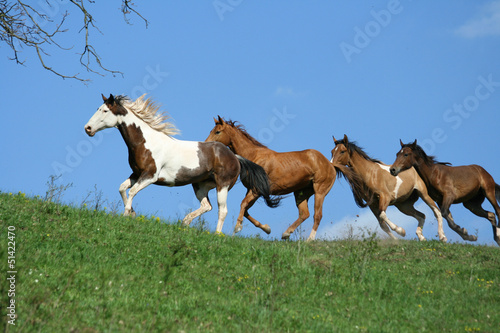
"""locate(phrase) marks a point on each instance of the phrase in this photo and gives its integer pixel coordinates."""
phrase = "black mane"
(242, 129)
(419, 151)
(352, 146)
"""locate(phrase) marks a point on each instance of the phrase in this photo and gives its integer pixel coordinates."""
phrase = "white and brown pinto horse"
(466, 184)
(157, 158)
(373, 186)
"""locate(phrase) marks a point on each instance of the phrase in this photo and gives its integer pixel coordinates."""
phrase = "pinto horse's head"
(219, 132)
(105, 116)
(405, 158)
(341, 154)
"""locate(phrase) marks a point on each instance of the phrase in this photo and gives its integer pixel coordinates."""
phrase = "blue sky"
(377, 71)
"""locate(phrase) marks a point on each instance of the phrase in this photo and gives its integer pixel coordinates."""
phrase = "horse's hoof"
(267, 229)
(238, 228)
(444, 239)
(472, 238)
(401, 231)
(285, 236)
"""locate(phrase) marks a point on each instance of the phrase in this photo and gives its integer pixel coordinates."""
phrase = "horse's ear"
(111, 99)
(333, 137)
(346, 140)
(104, 98)
(401, 143)
(220, 120)
(414, 144)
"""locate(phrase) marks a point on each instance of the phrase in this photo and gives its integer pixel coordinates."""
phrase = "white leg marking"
(312, 236)
(394, 227)
(222, 203)
(205, 206)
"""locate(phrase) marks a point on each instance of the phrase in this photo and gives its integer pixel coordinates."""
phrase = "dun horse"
(448, 185)
(373, 186)
(305, 173)
(157, 158)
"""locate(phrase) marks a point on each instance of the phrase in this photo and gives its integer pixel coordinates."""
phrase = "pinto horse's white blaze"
(155, 157)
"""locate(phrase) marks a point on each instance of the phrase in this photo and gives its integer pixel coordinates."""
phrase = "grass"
(81, 270)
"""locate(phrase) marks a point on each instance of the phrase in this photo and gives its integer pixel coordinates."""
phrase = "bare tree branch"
(23, 26)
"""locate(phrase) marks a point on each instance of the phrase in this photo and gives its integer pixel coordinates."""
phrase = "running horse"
(447, 185)
(305, 173)
(373, 186)
(157, 158)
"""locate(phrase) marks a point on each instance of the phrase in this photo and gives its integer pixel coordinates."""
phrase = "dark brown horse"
(447, 185)
(373, 186)
(305, 173)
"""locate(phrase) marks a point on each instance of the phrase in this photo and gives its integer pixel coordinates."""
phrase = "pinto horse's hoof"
(400, 231)
(285, 236)
(267, 229)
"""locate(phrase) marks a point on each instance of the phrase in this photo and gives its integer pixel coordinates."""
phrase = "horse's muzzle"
(89, 131)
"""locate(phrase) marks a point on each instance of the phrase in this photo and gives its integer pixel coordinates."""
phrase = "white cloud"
(365, 223)
(486, 23)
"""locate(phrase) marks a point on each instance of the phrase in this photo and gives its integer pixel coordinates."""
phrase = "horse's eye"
(405, 155)
(217, 132)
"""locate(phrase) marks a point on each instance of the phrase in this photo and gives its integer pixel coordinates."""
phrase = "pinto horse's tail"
(255, 178)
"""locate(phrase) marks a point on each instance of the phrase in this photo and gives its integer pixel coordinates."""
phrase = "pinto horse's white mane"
(148, 111)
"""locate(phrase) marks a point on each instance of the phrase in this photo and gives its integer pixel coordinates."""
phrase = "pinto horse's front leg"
(123, 192)
(135, 187)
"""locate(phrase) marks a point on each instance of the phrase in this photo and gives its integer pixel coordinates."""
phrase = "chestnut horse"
(447, 185)
(373, 186)
(157, 158)
(305, 173)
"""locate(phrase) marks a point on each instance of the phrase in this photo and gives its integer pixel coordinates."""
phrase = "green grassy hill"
(80, 270)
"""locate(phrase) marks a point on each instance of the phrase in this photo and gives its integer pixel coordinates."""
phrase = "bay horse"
(373, 186)
(305, 173)
(155, 157)
(447, 185)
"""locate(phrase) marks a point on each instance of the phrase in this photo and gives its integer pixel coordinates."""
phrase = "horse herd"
(155, 157)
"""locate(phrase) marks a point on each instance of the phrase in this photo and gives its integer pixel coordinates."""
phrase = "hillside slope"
(88, 271)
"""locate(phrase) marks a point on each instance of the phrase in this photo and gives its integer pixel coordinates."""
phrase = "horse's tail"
(359, 190)
(254, 178)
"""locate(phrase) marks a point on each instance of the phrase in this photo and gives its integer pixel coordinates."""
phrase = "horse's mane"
(243, 131)
(352, 146)
(362, 194)
(148, 111)
(419, 151)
